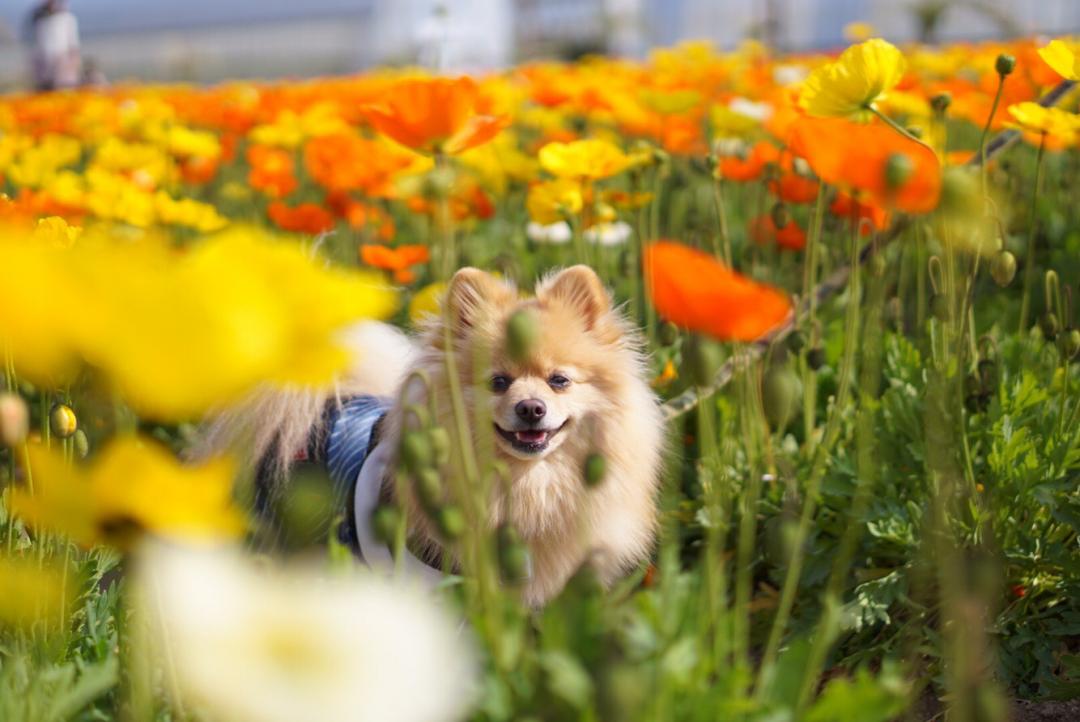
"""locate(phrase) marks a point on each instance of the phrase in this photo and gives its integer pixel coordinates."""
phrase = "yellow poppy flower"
(425, 302)
(849, 87)
(1059, 125)
(584, 159)
(55, 230)
(134, 487)
(552, 201)
(1064, 57)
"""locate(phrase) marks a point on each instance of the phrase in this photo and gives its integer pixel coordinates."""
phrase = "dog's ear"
(579, 288)
(469, 293)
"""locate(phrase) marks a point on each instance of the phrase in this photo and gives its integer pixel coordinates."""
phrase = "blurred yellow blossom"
(584, 159)
(552, 201)
(134, 487)
(1064, 57)
(32, 591)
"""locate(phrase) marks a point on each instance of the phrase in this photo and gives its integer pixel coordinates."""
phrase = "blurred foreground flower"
(862, 158)
(179, 332)
(849, 87)
(694, 290)
(1057, 127)
(266, 647)
(434, 115)
(32, 592)
(134, 487)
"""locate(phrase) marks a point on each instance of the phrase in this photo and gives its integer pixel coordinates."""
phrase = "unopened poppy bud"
(702, 358)
(82, 444)
(898, 168)
(416, 452)
(781, 391)
(1005, 64)
(941, 102)
(429, 488)
(669, 333)
(977, 403)
(1050, 325)
(1003, 268)
(595, 469)
(1068, 343)
(521, 333)
(515, 563)
(14, 420)
(780, 215)
(62, 421)
(959, 190)
(815, 358)
(796, 341)
(385, 523)
(439, 438)
(451, 521)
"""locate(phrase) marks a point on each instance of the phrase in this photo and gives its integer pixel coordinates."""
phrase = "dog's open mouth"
(529, 441)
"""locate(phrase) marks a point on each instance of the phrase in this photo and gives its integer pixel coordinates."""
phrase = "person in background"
(54, 54)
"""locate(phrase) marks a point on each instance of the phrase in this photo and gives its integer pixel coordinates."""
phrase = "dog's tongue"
(530, 437)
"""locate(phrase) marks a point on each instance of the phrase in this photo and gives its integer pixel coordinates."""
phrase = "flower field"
(855, 276)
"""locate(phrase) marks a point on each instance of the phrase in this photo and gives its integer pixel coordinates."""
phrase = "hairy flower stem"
(986, 132)
(724, 251)
(1033, 231)
(897, 127)
(817, 472)
(809, 376)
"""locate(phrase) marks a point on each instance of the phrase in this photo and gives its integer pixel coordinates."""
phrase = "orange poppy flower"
(856, 157)
(694, 290)
(434, 115)
(303, 218)
(344, 162)
(397, 259)
(272, 171)
(763, 230)
(751, 167)
(794, 188)
(846, 206)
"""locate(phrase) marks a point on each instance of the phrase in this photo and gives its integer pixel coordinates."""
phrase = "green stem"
(1029, 270)
(986, 131)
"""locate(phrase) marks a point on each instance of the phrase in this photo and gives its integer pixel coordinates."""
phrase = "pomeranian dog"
(580, 389)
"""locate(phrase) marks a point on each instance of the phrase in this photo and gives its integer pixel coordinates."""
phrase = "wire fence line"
(836, 281)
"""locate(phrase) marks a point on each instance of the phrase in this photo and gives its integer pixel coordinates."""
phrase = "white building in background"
(206, 40)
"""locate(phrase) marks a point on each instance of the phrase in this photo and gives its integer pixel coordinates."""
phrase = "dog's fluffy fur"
(605, 407)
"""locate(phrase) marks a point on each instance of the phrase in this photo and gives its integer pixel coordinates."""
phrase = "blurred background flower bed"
(855, 274)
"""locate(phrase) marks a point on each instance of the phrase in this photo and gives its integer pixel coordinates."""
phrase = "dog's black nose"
(530, 410)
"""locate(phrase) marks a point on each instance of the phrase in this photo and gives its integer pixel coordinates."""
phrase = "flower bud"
(781, 392)
(521, 333)
(62, 421)
(416, 452)
(82, 444)
(429, 488)
(669, 333)
(1068, 343)
(1003, 268)
(515, 563)
(595, 469)
(439, 438)
(988, 374)
(1049, 325)
(796, 342)
(702, 359)
(14, 420)
(451, 521)
(815, 358)
(1005, 64)
(898, 169)
(941, 102)
(385, 523)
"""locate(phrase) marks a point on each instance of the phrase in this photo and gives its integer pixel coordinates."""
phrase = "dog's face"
(550, 397)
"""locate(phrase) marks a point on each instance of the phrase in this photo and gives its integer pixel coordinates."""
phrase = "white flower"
(791, 74)
(744, 106)
(260, 646)
(608, 234)
(556, 233)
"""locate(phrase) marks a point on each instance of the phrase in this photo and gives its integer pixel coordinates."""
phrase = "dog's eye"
(558, 381)
(500, 383)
